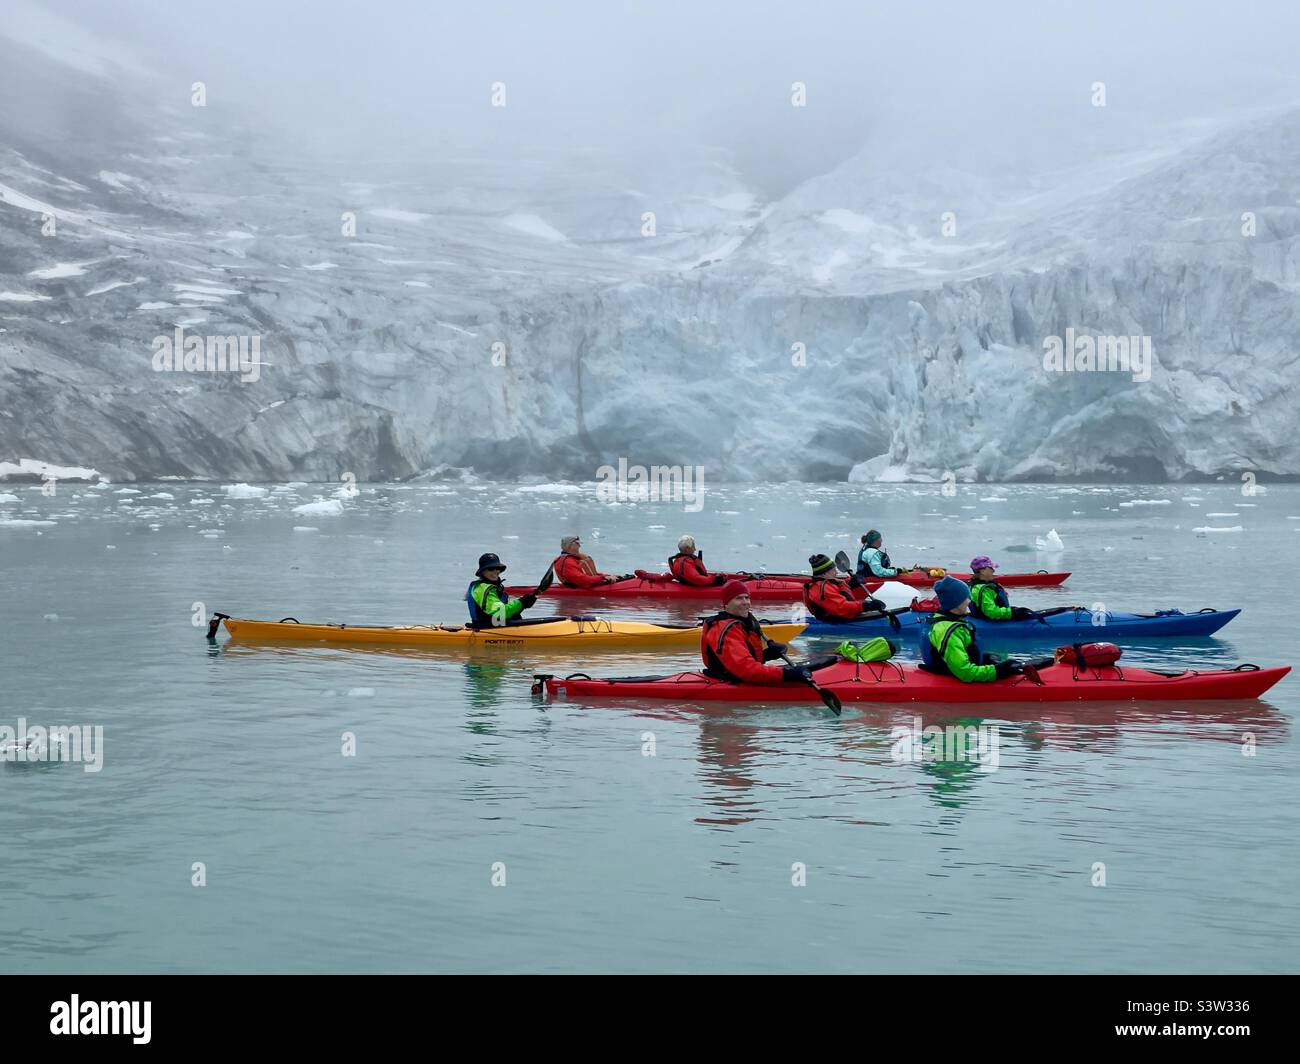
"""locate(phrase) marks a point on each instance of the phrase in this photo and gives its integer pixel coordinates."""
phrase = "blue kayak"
(1070, 626)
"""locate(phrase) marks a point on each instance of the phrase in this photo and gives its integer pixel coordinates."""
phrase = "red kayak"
(1042, 578)
(887, 681)
(782, 588)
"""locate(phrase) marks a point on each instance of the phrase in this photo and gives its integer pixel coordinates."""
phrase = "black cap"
(819, 564)
(489, 561)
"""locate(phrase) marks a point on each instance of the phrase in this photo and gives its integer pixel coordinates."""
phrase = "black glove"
(795, 674)
(528, 601)
(855, 580)
(1003, 669)
(1022, 613)
(773, 650)
(873, 605)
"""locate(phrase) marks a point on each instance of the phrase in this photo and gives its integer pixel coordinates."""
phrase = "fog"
(967, 85)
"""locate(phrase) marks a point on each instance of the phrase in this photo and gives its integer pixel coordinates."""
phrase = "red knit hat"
(731, 589)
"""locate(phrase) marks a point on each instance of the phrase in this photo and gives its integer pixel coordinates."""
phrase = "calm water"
(613, 860)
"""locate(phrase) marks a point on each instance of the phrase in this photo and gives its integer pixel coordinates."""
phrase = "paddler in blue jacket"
(948, 644)
(488, 600)
(873, 562)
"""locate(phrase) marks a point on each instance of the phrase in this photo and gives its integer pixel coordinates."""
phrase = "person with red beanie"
(834, 600)
(734, 648)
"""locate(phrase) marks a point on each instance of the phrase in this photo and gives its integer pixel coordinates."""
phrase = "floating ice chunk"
(1147, 502)
(163, 495)
(1050, 542)
(6, 497)
(23, 297)
(321, 508)
(305, 528)
(243, 491)
(1211, 528)
(553, 489)
(361, 692)
(1223, 515)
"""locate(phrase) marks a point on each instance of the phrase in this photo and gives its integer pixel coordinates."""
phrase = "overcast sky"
(956, 81)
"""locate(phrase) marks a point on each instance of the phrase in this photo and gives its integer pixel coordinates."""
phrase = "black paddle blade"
(547, 581)
(842, 562)
(831, 699)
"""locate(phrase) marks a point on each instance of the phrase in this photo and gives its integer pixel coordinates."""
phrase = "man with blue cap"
(948, 644)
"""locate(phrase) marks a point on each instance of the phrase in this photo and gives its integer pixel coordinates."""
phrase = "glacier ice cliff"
(524, 319)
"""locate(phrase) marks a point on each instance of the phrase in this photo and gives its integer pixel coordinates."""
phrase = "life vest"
(864, 567)
(677, 565)
(477, 618)
(933, 656)
(999, 595)
(585, 566)
(816, 592)
(716, 629)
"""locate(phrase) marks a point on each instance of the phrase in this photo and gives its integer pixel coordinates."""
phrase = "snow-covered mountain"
(523, 315)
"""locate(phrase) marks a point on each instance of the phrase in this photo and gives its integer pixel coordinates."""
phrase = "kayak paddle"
(830, 698)
(547, 581)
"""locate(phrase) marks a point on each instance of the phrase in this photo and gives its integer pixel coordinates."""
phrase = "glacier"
(879, 322)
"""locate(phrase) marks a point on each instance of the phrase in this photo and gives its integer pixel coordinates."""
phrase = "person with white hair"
(687, 566)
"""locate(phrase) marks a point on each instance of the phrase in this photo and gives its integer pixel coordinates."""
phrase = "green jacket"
(488, 598)
(957, 656)
(984, 602)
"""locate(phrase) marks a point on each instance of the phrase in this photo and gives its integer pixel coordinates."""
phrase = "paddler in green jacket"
(988, 598)
(948, 645)
(488, 600)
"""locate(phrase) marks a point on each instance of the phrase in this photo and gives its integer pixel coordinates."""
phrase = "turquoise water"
(614, 860)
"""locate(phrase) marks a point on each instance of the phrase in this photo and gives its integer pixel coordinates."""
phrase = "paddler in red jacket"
(687, 566)
(734, 648)
(575, 569)
(831, 597)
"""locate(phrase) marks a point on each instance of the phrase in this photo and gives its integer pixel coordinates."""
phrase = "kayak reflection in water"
(874, 562)
(832, 597)
(949, 647)
(988, 599)
(575, 569)
(687, 566)
(735, 649)
(487, 598)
